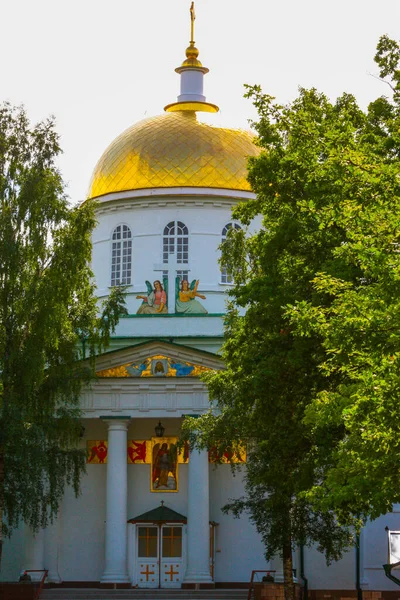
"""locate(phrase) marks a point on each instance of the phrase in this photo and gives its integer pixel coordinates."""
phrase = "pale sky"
(101, 65)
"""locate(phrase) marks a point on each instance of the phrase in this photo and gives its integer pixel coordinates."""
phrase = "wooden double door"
(159, 555)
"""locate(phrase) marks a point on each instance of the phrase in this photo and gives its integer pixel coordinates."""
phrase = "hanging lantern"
(159, 429)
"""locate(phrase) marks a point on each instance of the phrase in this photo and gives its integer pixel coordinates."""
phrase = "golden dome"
(174, 150)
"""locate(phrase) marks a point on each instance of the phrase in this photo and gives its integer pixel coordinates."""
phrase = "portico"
(151, 550)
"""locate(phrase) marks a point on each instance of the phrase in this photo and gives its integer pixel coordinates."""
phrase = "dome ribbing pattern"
(174, 150)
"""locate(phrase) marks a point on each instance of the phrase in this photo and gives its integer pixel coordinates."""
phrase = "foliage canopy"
(358, 324)
(312, 331)
(47, 308)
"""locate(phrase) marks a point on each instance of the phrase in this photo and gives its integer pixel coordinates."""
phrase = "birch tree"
(47, 308)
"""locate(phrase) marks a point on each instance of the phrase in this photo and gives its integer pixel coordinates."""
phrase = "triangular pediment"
(161, 514)
(156, 359)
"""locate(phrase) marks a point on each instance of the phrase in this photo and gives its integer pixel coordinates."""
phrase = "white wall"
(81, 555)
(339, 575)
(205, 222)
(12, 557)
(83, 519)
(170, 327)
(374, 553)
(239, 547)
(374, 543)
(82, 552)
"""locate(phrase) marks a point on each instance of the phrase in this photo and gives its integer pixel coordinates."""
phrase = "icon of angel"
(156, 300)
(186, 297)
(165, 459)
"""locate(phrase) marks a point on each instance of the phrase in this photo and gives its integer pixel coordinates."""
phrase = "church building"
(150, 515)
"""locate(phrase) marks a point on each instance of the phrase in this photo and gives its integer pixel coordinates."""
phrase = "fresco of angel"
(97, 452)
(164, 468)
(186, 297)
(156, 300)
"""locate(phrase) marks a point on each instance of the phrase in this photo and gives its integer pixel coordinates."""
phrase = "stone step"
(141, 594)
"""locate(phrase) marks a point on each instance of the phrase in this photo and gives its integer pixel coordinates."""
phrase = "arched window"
(176, 246)
(225, 276)
(121, 261)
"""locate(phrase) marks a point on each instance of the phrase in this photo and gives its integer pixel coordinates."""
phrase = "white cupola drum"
(191, 84)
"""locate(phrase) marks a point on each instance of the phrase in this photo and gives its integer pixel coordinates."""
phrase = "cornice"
(173, 197)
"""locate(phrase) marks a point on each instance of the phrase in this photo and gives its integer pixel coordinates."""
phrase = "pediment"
(156, 359)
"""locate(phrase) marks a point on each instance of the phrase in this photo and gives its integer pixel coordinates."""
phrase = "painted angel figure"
(137, 370)
(98, 451)
(186, 297)
(163, 474)
(182, 369)
(156, 300)
(137, 451)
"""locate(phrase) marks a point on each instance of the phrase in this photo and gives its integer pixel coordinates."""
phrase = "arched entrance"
(159, 548)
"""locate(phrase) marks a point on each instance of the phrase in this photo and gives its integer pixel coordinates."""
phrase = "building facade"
(149, 515)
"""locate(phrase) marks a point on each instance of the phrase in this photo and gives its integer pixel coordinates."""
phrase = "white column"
(33, 552)
(198, 520)
(115, 570)
(51, 551)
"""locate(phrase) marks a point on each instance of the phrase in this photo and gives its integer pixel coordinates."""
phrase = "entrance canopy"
(161, 514)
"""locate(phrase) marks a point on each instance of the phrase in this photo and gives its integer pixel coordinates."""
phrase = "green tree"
(272, 375)
(47, 308)
(359, 327)
(312, 330)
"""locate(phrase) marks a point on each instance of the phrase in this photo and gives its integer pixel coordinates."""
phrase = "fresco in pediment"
(155, 366)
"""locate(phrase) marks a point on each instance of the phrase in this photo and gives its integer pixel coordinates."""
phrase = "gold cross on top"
(192, 18)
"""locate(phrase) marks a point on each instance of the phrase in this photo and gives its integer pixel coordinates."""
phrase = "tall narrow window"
(183, 275)
(176, 242)
(225, 276)
(121, 260)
